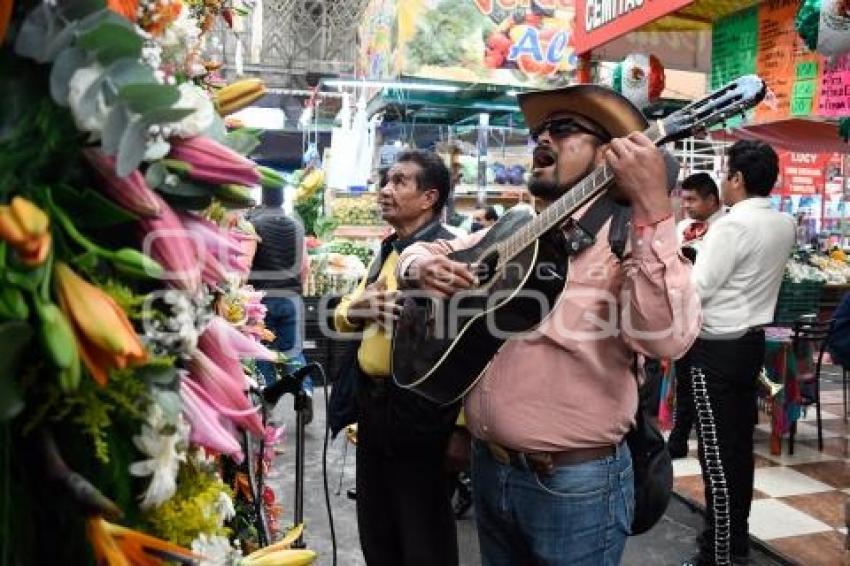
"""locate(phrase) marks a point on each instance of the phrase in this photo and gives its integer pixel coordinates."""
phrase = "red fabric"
(694, 231)
(805, 136)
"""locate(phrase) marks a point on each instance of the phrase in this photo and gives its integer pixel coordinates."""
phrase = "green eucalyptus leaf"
(128, 71)
(93, 97)
(63, 69)
(144, 98)
(156, 174)
(116, 124)
(111, 41)
(39, 25)
(242, 142)
(14, 337)
(217, 130)
(77, 9)
(166, 115)
(131, 149)
(158, 374)
(170, 403)
(59, 42)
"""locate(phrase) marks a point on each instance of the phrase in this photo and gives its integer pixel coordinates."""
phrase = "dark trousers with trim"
(404, 512)
(684, 417)
(724, 379)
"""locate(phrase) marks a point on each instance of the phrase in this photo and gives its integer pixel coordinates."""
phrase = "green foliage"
(309, 211)
(92, 407)
(192, 509)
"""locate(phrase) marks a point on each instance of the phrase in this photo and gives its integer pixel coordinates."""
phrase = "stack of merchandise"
(336, 268)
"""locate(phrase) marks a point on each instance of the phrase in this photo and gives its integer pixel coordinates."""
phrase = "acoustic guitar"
(441, 347)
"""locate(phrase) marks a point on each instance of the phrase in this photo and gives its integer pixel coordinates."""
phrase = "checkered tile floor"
(798, 502)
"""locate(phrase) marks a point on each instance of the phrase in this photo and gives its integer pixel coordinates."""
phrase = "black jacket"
(277, 263)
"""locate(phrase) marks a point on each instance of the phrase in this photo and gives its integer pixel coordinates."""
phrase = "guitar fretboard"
(567, 204)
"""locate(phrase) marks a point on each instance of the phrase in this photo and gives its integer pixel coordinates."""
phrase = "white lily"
(215, 550)
(165, 443)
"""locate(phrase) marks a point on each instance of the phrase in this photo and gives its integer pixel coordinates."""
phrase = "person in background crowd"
(404, 513)
(552, 474)
(484, 217)
(737, 274)
(701, 201)
(279, 269)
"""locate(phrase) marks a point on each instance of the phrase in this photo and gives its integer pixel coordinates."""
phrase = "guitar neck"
(566, 205)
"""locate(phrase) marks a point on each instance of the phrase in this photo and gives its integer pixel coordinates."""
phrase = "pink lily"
(130, 192)
(207, 430)
(227, 388)
(270, 440)
(214, 163)
(219, 244)
(223, 339)
(213, 273)
(166, 240)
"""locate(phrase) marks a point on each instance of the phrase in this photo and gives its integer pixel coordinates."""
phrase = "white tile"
(811, 416)
(802, 454)
(779, 481)
(809, 431)
(770, 519)
(686, 467)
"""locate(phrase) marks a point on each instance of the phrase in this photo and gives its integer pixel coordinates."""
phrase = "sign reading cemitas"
(600, 21)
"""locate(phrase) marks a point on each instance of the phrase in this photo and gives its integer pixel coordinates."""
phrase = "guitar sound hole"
(485, 269)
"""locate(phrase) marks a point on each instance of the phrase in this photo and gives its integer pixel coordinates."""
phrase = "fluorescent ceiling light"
(392, 84)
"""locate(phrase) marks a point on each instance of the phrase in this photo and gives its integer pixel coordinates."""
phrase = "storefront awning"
(803, 136)
(598, 21)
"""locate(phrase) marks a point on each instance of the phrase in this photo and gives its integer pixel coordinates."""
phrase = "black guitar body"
(441, 347)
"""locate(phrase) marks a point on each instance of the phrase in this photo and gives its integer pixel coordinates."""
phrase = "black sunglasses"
(565, 127)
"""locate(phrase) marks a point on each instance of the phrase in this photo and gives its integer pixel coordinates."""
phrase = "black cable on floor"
(325, 462)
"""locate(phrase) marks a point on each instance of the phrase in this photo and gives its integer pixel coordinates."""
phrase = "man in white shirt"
(737, 274)
(701, 200)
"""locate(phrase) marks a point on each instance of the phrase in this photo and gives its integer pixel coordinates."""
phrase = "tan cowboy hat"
(608, 109)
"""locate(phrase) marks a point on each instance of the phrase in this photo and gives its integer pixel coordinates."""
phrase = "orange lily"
(104, 335)
(115, 545)
(126, 8)
(5, 17)
(26, 228)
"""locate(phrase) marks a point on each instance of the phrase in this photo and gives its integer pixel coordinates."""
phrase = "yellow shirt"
(375, 349)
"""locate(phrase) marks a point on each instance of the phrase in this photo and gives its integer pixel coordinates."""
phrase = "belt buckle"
(499, 454)
(541, 462)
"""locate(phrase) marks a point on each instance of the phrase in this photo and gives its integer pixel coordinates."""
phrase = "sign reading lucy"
(600, 21)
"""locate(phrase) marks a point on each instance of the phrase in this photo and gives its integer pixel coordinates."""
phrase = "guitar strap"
(582, 234)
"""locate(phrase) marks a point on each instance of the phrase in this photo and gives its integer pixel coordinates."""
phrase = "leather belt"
(547, 462)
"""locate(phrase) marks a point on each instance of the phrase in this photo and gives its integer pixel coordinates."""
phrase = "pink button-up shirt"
(569, 384)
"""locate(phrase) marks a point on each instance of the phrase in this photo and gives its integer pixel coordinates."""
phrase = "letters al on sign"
(600, 21)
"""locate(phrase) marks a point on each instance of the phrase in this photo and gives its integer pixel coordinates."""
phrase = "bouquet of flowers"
(120, 382)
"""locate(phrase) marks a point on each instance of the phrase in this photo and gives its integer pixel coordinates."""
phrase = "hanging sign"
(835, 88)
(600, 21)
(512, 42)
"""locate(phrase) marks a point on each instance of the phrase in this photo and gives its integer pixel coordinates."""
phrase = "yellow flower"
(104, 335)
(26, 228)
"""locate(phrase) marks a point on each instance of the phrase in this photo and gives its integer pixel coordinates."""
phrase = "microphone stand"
(294, 383)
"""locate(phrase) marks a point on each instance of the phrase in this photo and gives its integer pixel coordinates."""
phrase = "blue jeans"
(282, 319)
(579, 515)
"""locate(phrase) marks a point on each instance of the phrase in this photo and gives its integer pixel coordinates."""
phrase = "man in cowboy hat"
(552, 475)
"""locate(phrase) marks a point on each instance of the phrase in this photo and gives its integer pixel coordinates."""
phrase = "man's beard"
(551, 189)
